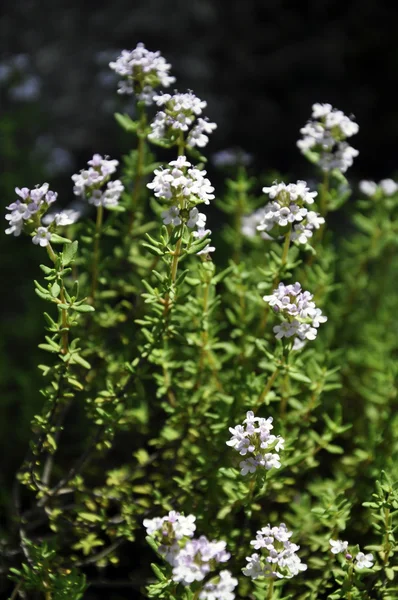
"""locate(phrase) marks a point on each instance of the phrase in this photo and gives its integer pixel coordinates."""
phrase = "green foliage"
(155, 351)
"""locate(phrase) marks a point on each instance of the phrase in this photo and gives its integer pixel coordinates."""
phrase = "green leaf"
(57, 239)
(51, 441)
(69, 253)
(55, 290)
(76, 358)
(92, 517)
(159, 574)
(83, 308)
(127, 122)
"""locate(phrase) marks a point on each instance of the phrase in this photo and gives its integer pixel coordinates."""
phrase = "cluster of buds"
(276, 557)
(288, 209)
(142, 72)
(180, 113)
(192, 559)
(254, 438)
(301, 317)
(94, 185)
(326, 134)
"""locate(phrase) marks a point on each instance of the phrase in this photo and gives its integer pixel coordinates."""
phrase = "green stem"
(16, 590)
(238, 220)
(96, 252)
(64, 322)
(140, 165)
(181, 144)
(174, 264)
(270, 589)
(387, 545)
(267, 388)
(324, 194)
(64, 313)
(286, 246)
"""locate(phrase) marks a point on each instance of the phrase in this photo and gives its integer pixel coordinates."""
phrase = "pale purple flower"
(42, 237)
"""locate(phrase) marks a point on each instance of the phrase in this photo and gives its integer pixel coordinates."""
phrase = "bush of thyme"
(219, 413)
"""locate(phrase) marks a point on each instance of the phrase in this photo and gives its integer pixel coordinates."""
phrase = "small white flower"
(388, 186)
(338, 546)
(42, 237)
(369, 188)
(364, 561)
(172, 216)
(196, 219)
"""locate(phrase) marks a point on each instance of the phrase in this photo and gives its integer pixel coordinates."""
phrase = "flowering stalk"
(324, 195)
(267, 389)
(270, 589)
(64, 312)
(96, 251)
(141, 134)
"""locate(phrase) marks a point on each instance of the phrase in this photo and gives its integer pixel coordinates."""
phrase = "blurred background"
(259, 64)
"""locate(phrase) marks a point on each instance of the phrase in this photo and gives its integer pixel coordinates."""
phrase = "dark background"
(259, 64)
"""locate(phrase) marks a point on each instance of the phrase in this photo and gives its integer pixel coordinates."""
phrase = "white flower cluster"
(33, 202)
(254, 437)
(90, 182)
(363, 561)
(180, 112)
(191, 559)
(220, 588)
(287, 207)
(198, 558)
(182, 182)
(277, 557)
(296, 306)
(326, 134)
(386, 187)
(142, 71)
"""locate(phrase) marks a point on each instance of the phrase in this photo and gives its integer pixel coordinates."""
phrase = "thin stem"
(284, 395)
(140, 165)
(64, 322)
(238, 219)
(96, 252)
(270, 589)
(285, 253)
(286, 246)
(174, 264)
(205, 334)
(324, 194)
(181, 144)
(15, 591)
(267, 388)
(387, 545)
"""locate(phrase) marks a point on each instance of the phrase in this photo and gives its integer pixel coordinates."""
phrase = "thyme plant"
(219, 413)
